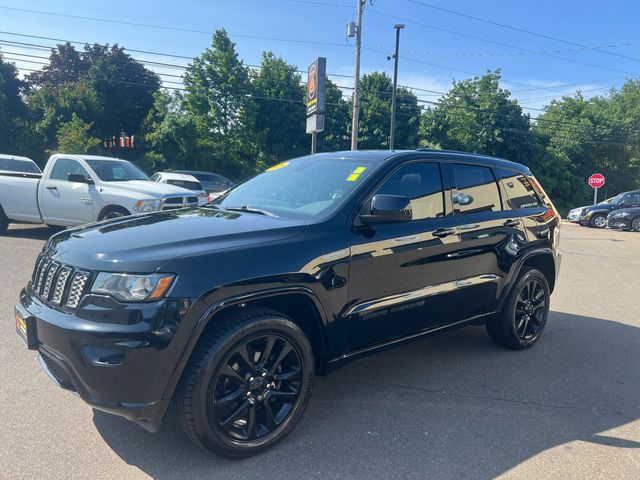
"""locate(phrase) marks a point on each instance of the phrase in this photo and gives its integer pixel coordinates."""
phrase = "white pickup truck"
(78, 189)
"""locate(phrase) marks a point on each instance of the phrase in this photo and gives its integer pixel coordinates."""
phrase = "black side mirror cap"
(387, 209)
(79, 178)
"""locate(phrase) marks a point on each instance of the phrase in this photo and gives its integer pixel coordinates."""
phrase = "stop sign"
(596, 180)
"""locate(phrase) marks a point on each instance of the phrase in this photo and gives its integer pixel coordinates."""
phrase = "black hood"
(144, 242)
(601, 207)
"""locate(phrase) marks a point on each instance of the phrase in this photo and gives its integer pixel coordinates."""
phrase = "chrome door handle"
(511, 223)
(444, 232)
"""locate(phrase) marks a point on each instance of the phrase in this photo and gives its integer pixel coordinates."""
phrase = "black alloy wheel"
(247, 383)
(530, 311)
(256, 387)
(524, 314)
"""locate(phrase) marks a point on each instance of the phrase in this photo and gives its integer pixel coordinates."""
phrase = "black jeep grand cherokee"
(229, 310)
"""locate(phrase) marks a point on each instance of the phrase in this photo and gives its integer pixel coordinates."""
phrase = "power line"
(517, 29)
(474, 37)
(168, 27)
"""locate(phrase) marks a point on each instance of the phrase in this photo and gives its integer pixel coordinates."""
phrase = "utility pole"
(392, 134)
(356, 85)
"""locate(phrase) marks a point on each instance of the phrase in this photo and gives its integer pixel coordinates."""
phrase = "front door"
(402, 278)
(65, 202)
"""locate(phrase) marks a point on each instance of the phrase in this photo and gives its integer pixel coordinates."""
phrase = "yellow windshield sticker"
(355, 174)
(276, 167)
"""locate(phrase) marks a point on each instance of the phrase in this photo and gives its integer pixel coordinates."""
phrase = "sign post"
(316, 97)
(596, 181)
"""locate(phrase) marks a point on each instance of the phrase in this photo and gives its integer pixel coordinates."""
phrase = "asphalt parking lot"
(452, 406)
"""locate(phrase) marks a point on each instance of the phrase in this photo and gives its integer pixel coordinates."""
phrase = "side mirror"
(462, 199)
(79, 178)
(387, 209)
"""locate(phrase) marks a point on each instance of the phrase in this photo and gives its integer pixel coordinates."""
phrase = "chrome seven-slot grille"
(172, 203)
(57, 283)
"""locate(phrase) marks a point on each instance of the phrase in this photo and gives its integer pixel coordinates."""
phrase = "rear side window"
(185, 184)
(422, 184)
(477, 190)
(519, 189)
(22, 166)
(65, 166)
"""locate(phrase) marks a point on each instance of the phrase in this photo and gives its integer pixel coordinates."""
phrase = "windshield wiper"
(248, 209)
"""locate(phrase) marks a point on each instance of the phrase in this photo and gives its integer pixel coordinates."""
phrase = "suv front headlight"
(621, 214)
(150, 205)
(135, 288)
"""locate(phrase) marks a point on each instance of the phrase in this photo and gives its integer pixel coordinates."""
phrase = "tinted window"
(422, 184)
(185, 184)
(631, 199)
(22, 166)
(65, 166)
(477, 189)
(519, 189)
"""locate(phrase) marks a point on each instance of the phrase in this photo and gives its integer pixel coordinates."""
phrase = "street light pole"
(392, 134)
(356, 85)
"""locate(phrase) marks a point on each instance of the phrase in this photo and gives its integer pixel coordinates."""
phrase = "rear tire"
(524, 314)
(247, 384)
(598, 221)
(4, 222)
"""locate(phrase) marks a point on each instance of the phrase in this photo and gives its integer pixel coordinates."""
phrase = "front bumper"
(622, 223)
(119, 358)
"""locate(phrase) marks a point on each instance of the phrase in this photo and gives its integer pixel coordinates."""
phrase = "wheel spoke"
(289, 376)
(284, 396)
(230, 397)
(286, 349)
(270, 418)
(228, 371)
(237, 413)
(251, 423)
(243, 352)
(266, 352)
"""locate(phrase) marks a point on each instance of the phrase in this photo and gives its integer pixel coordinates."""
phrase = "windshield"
(615, 199)
(116, 170)
(305, 188)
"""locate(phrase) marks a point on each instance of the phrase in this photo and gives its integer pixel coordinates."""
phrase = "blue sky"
(436, 46)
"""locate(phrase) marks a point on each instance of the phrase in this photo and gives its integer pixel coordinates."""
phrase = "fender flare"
(517, 268)
(206, 318)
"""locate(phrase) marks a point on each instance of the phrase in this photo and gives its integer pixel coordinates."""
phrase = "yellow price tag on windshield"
(355, 174)
(276, 167)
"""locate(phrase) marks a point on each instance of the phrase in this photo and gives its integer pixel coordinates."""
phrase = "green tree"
(276, 114)
(16, 132)
(170, 135)
(375, 114)
(100, 83)
(336, 135)
(477, 115)
(74, 137)
(217, 92)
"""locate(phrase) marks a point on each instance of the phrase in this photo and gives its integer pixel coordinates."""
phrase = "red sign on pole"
(596, 180)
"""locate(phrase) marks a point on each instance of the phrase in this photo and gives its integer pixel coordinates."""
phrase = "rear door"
(64, 202)
(402, 279)
(490, 237)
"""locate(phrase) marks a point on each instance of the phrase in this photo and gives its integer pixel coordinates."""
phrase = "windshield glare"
(116, 170)
(306, 188)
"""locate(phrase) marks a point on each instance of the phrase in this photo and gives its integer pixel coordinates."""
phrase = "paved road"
(453, 406)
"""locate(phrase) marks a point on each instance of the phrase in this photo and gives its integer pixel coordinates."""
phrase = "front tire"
(523, 317)
(113, 212)
(598, 221)
(247, 384)
(635, 225)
